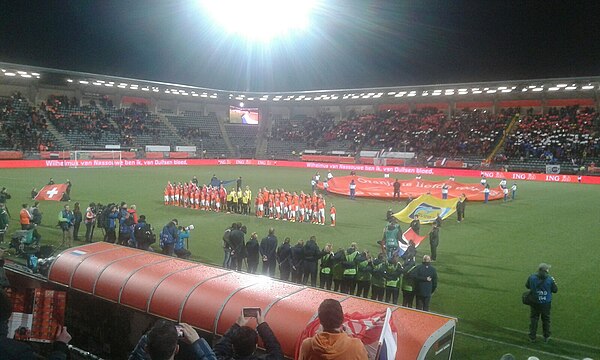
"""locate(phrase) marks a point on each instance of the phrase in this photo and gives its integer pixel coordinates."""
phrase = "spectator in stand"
(333, 343)
(16, 350)
(162, 343)
(239, 342)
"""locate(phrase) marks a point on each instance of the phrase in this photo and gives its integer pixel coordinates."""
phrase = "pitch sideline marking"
(556, 339)
(517, 346)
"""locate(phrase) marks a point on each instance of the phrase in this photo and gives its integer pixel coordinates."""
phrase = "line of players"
(208, 198)
(275, 204)
(279, 204)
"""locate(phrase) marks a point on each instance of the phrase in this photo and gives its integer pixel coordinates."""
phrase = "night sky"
(350, 44)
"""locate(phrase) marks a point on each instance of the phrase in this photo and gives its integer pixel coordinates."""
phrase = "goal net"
(101, 158)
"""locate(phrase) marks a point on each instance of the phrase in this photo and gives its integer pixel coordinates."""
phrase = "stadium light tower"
(260, 20)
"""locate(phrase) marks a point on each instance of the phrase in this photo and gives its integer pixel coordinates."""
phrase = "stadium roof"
(538, 88)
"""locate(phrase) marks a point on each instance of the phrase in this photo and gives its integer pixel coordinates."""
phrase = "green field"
(482, 264)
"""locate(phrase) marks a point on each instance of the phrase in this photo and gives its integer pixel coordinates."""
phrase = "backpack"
(103, 217)
(143, 233)
(166, 237)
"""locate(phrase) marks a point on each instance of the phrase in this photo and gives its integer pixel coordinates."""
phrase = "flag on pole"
(53, 192)
(388, 345)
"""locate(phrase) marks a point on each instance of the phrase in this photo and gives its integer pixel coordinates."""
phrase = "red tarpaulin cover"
(384, 188)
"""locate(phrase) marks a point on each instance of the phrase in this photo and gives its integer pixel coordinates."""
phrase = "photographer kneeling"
(181, 250)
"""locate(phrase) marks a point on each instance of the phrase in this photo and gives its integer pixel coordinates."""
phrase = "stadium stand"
(563, 134)
(22, 126)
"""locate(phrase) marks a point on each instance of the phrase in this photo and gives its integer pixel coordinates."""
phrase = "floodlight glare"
(260, 20)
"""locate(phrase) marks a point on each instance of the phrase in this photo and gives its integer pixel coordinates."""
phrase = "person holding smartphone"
(239, 342)
(162, 342)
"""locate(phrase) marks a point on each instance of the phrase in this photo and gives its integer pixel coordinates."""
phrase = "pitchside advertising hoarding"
(316, 166)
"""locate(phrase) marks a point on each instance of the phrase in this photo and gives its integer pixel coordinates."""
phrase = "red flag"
(410, 234)
(52, 192)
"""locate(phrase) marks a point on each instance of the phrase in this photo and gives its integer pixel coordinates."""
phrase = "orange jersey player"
(260, 202)
(167, 195)
(332, 214)
(321, 208)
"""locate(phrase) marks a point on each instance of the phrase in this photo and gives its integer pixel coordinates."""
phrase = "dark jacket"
(252, 252)
(284, 254)
(268, 247)
(312, 253)
(199, 350)
(297, 256)
(434, 237)
(421, 273)
(236, 241)
(224, 350)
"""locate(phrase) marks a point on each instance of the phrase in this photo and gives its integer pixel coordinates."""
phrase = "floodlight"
(260, 20)
(241, 104)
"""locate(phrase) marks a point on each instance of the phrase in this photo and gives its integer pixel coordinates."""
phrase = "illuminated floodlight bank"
(260, 20)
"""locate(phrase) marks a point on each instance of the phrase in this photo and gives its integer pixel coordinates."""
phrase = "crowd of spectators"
(23, 127)
(309, 130)
(563, 134)
(427, 131)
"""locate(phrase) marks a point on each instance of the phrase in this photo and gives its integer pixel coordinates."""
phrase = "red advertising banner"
(384, 188)
(315, 166)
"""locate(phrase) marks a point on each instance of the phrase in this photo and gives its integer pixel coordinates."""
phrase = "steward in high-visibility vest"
(393, 273)
(325, 275)
(391, 238)
(350, 265)
(363, 274)
(408, 283)
(229, 201)
(377, 278)
(337, 270)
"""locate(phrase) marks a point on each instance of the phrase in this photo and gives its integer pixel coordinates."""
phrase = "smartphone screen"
(251, 312)
(179, 331)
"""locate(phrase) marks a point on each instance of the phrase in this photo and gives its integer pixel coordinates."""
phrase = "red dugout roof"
(211, 298)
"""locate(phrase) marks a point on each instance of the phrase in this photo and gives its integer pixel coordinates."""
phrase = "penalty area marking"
(517, 346)
(558, 340)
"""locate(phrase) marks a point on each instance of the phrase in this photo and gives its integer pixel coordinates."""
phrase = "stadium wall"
(509, 175)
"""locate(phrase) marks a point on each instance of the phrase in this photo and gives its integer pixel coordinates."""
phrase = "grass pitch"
(483, 262)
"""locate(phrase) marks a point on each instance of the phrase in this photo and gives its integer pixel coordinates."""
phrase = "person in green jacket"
(408, 283)
(350, 265)
(325, 275)
(363, 274)
(392, 275)
(377, 277)
(337, 270)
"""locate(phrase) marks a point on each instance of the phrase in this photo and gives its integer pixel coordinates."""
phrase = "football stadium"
(156, 218)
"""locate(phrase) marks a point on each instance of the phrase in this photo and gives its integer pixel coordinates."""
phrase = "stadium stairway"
(174, 133)
(507, 130)
(61, 140)
(226, 140)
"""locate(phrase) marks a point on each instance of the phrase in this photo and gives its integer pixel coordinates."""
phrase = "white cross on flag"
(52, 192)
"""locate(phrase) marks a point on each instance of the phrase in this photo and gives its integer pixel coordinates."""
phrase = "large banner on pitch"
(384, 188)
(428, 208)
(53, 192)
